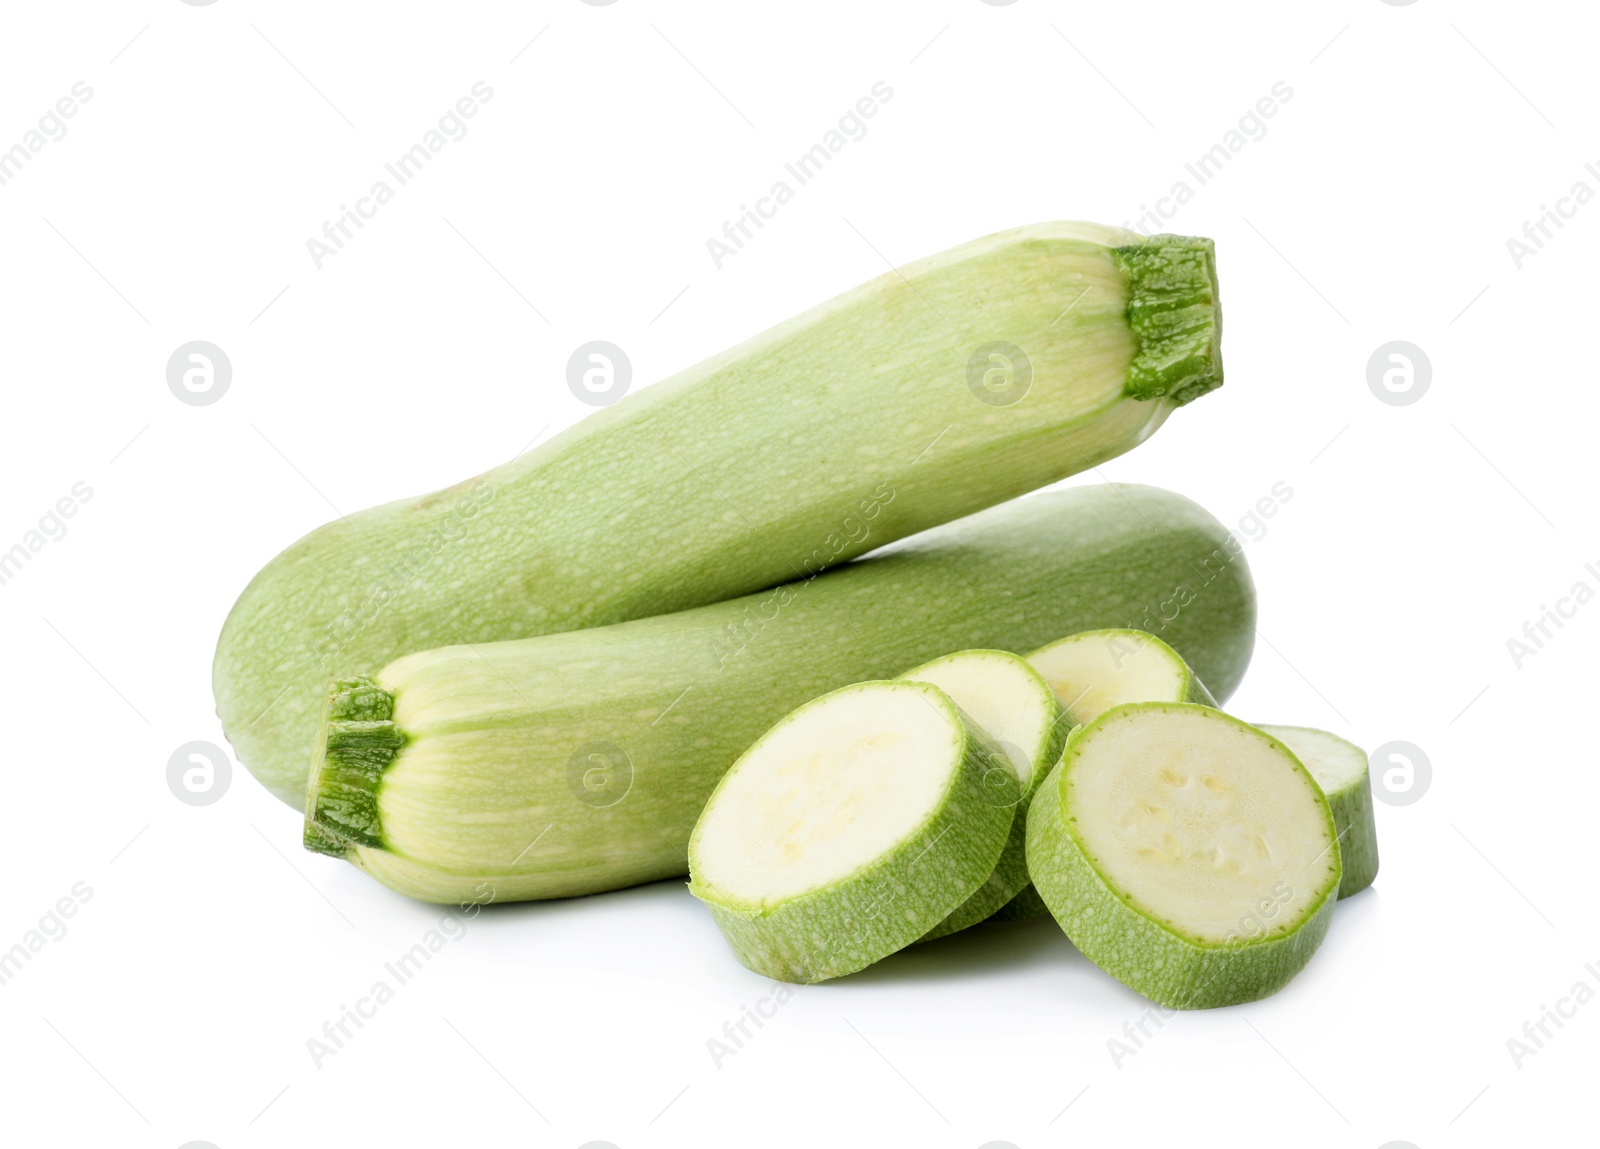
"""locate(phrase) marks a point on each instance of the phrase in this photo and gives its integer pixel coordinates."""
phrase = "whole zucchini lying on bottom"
(579, 762)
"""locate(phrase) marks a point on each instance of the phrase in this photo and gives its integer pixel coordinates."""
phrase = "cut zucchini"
(848, 830)
(1011, 704)
(1340, 768)
(1188, 854)
(1098, 669)
(1095, 670)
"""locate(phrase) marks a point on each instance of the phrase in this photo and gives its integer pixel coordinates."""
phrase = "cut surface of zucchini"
(848, 830)
(1093, 671)
(1340, 768)
(1186, 853)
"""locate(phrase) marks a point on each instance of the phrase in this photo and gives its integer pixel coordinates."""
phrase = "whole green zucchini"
(927, 394)
(579, 762)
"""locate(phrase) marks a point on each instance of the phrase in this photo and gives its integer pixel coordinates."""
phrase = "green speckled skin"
(892, 901)
(850, 426)
(1010, 874)
(1147, 955)
(1011, 870)
(1358, 835)
(491, 730)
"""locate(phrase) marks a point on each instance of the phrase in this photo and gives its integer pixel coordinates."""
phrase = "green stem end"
(1175, 315)
(359, 741)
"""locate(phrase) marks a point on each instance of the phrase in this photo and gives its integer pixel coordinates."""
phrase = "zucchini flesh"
(1340, 768)
(1186, 853)
(850, 828)
(852, 425)
(1093, 671)
(579, 762)
(1098, 669)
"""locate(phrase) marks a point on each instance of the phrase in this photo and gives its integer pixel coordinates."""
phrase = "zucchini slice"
(1009, 702)
(849, 830)
(1093, 671)
(1188, 854)
(1340, 768)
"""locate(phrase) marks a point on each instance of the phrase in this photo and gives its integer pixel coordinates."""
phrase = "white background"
(1418, 540)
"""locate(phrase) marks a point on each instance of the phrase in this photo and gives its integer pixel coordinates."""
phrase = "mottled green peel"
(1172, 308)
(1007, 700)
(359, 742)
(930, 393)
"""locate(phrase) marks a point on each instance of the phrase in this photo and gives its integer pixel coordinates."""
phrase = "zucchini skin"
(1358, 840)
(1010, 874)
(488, 734)
(853, 425)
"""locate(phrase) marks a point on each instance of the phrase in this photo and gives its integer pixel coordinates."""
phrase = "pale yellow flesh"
(1333, 762)
(835, 786)
(1200, 823)
(1092, 673)
(998, 693)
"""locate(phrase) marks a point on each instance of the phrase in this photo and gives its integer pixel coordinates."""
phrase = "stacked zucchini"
(651, 646)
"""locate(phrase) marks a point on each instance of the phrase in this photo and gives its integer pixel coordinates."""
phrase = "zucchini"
(953, 384)
(1186, 853)
(578, 762)
(1340, 768)
(849, 829)
(1096, 670)
(1005, 698)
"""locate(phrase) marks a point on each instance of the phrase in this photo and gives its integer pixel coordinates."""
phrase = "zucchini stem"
(1173, 310)
(360, 742)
